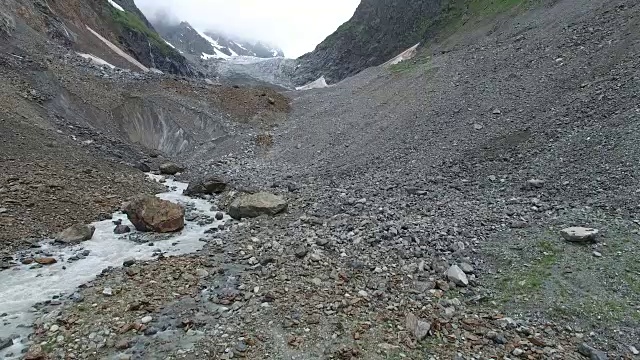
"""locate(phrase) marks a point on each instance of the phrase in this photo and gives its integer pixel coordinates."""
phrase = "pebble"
(517, 352)
(633, 350)
(219, 215)
(107, 291)
(597, 254)
(146, 319)
(54, 328)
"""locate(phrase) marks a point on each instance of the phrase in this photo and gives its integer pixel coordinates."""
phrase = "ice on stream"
(22, 287)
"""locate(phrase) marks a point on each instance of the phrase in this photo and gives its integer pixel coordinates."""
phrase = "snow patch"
(96, 60)
(208, 38)
(23, 287)
(318, 84)
(113, 3)
(118, 51)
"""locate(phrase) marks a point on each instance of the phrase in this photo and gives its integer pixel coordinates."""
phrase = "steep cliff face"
(378, 30)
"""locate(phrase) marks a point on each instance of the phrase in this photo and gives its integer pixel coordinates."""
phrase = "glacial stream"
(24, 286)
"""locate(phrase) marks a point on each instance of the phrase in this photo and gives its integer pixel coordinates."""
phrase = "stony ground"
(393, 177)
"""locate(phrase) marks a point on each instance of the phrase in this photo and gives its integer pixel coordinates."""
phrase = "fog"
(295, 26)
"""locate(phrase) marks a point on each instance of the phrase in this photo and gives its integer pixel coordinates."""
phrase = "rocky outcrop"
(76, 234)
(151, 214)
(254, 205)
(378, 31)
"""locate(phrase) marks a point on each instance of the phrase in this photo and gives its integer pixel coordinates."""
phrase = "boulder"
(534, 184)
(209, 186)
(76, 234)
(591, 353)
(143, 167)
(579, 234)
(5, 343)
(121, 229)
(151, 214)
(419, 328)
(457, 276)
(254, 205)
(170, 168)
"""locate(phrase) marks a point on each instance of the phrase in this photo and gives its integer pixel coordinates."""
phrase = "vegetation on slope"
(132, 22)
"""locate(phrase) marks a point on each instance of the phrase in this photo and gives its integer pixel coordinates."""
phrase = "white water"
(21, 287)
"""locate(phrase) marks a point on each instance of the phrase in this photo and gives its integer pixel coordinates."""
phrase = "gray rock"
(467, 268)
(579, 234)
(128, 262)
(591, 353)
(419, 328)
(76, 234)
(143, 167)
(254, 205)
(534, 184)
(5, 343)
(457, 276)
(121, 229)
(107, 291)
(301, 251)
(219, 215)
(170, 168)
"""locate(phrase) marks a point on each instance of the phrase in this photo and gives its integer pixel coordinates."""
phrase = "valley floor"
(476, 153)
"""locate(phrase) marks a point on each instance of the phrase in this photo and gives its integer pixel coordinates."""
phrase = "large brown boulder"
(151, 214)
(76, 234)
(254, 205)
(208, 186)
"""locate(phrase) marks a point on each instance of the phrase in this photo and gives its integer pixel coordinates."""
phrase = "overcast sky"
(296, 26)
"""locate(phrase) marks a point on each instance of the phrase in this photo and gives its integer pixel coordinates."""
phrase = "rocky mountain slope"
(88, 27)
(209, 44)
(379, 30)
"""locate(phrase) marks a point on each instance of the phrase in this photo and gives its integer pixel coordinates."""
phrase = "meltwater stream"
(22, 287)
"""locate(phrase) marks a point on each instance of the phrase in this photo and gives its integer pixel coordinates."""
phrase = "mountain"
(111, 29)
(381, 29)
(209, 44)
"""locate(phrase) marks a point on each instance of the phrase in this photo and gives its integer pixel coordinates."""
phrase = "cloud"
(296, 26)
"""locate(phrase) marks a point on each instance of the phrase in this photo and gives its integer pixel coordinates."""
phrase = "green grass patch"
(526, 280)
(132, 22)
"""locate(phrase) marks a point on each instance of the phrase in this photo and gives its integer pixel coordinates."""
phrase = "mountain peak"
(212, 44)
